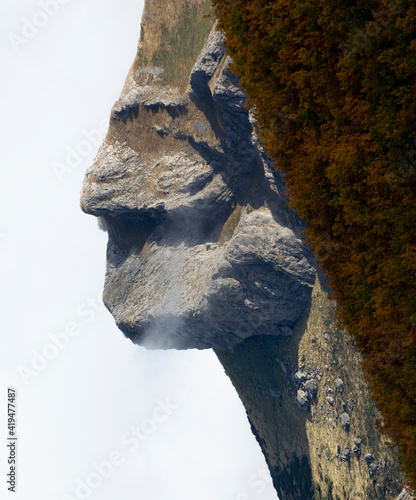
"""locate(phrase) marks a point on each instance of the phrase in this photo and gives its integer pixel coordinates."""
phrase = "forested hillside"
(332, 86)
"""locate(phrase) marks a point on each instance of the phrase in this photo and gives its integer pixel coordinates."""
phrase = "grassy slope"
(295, 441)
(172, 36)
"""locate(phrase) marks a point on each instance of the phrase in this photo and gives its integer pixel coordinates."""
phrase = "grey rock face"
(339, 385)
(405, 495)
(203, 250)
(346, 454)
(345, 421)
(311, 386)
(302, 398)
(300, 376)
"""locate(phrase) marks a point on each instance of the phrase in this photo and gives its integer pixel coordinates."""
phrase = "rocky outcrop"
(204, 252)
(405, 495)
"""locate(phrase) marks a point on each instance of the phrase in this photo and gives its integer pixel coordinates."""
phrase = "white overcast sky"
(63, 65)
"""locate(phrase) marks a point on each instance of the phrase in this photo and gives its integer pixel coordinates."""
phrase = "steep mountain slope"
(204, 252)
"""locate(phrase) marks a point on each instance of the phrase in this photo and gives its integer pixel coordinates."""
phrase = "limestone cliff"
(204, 252)
(202, 244)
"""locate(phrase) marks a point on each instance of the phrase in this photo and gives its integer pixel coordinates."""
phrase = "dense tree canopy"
(332, 84)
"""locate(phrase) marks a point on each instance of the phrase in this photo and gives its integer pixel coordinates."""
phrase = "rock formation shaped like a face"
(203, 250)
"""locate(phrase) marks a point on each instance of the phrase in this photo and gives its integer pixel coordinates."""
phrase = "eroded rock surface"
(203, 249)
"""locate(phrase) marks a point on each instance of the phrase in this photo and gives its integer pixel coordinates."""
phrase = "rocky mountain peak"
(203, 250)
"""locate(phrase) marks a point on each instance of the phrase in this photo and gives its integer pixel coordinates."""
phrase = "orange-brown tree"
(332, 84)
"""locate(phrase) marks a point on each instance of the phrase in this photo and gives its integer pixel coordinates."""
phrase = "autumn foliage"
(332, 84)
